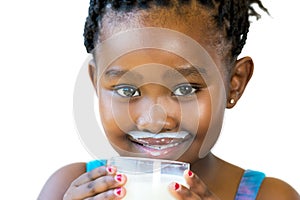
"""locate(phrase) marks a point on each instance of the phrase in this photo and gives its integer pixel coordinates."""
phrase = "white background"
(42, 52)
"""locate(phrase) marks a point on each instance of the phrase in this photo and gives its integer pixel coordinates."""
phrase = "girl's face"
(156, 103)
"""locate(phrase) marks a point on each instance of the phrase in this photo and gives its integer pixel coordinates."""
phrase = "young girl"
(164, 72)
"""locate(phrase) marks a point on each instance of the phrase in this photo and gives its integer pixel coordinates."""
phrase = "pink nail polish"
(119, 178)
(118, 192)
(109, 169)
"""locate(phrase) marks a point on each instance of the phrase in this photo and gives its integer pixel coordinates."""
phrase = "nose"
(156, 120)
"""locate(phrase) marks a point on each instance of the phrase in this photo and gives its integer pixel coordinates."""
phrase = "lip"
(160, 143)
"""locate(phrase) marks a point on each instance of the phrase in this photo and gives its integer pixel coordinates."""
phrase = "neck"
(206, 166)
(215, 173)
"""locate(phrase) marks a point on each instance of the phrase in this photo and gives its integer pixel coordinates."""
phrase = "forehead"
(152, 63)
(193, 21)
(168, 47)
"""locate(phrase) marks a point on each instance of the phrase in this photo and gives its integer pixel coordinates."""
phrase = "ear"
(93, 74)
(240, 76)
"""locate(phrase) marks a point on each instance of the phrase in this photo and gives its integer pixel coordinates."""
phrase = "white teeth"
(142, 137)
(142, 134)
(161, 147)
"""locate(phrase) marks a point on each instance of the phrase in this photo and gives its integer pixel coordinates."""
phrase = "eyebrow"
(191, 70)
(186, 70)
(116, 73)
(179, 72)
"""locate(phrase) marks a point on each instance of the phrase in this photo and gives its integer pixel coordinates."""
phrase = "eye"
(127, 91)
(185, 90)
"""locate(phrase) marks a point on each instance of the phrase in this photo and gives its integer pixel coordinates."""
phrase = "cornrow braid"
(91, 29)
(237, 13)
(231, 14)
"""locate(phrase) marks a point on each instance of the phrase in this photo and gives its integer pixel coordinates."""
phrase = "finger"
(180, 192)
(117, 193)
(98, 186)
(94, 174)
(197, 185)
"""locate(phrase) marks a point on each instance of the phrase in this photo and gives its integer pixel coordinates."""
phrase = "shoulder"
(273, 188)
(60, 180)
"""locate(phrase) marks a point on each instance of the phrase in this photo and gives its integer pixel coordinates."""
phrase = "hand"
(100, 183)
(197, 191)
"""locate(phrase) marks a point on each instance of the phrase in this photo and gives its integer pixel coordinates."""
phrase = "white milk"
(150, 186)
(148, 179)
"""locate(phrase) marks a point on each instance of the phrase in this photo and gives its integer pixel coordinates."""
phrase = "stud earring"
(232, 101)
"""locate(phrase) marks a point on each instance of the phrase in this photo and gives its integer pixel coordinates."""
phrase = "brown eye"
(127, 91)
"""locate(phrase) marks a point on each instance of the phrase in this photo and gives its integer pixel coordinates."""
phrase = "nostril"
(171, 124)
(167, 125)
(151, 125)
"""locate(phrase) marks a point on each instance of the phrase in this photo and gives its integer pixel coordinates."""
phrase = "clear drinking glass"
(148, 179)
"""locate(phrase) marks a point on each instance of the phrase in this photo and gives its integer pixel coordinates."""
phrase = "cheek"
(214, 121)
(114, 120)
(196, 114)
(114, 114)
(197, 119)
(204, 118)
(104, 107)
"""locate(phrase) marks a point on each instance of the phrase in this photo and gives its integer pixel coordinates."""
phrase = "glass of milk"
(148, 179)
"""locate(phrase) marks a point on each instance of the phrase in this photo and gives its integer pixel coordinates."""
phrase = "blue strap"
(249, 185)
(94, 164)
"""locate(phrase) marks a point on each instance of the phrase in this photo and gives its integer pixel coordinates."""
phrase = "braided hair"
(231, 14)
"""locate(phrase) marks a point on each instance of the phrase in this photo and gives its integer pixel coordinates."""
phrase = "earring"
(232, 101)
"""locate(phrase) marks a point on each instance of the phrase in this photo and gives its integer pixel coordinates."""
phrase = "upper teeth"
(142, 134)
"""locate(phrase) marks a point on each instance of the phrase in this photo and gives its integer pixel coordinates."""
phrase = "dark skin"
(210, 178)
(271, 188)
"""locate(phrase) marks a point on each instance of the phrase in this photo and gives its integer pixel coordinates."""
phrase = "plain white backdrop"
(42, 51)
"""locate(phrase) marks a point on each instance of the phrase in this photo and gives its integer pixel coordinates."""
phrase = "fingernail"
(118, 191)
(176, 186)
(190, 173)
(119, 178)
(110, 169)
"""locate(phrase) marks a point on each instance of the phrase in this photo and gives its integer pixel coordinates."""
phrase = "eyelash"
(193, 87)
(120, 89)
(129, 91)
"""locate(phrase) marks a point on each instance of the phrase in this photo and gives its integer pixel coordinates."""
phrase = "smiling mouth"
(158, 141)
